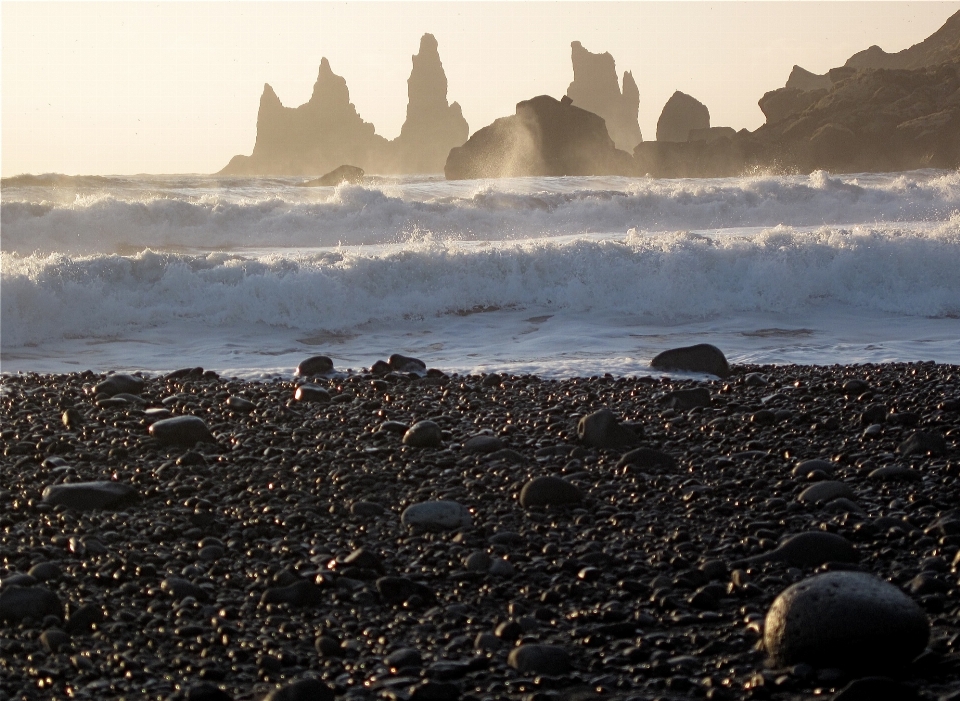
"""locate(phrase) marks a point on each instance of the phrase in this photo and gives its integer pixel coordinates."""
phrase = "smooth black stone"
(402, 363)
(87, 496)
(311, 393)
(549, 491)
(53, 639)
(84, 618)
(119, 384)
(896, 472)
(822, 492)
(540, 659)
(601, 429)
(809, 550)
(647, 458)
(924, 443)
(17, 603)
(397, 590)
(686, 399)
(184, 431)
(482, 444)
(302, 690)
(181, 588)
(240, 404)
(423, 434)
(302, 593)
(807, 466)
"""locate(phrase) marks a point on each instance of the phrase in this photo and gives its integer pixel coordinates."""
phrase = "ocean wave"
(196, 214)
(659, 277)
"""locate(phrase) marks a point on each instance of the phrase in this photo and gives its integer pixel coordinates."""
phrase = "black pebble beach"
(264, 554)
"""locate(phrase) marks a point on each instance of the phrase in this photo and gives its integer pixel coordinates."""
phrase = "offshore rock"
(546, 137)
(702, 357)
(680, 114)
(594, 88)
(432, 126)
(337, 176)
(849, 620)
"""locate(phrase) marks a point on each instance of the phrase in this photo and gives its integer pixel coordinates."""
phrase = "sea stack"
(594, 88)
(680, 115)
(314, 138)
(433, 126)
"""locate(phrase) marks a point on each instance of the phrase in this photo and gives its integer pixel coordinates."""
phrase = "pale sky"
(174, 87)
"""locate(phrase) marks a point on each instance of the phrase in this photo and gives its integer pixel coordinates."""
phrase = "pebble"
(86, 496)
(702, 357)
(687, 399)
(848, 620)
(311, 393)
(45, 571)
(822, 492)
(53, 639)
(551, 660)
(302, 690)
(367, 509)
(182, 431)
(895, 472)
(436, 515)
(423, 434)
(805, 467)
(647, 458)
(404, 657)
(601, 429)
(809, 550)
(119, 384)
(549, 491)
(317, 365)
(923, 443)
(17, 603)
(240, 404)
(477, 562)
(302, 593)
(482, 444)
(181, 588)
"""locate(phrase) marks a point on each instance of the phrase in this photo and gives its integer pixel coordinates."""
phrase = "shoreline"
(281, 550)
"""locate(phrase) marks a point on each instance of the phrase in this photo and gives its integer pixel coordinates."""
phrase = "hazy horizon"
(122, 88)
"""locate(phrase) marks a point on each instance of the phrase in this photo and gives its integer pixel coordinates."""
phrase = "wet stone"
(403, 363)
(181, 588)
(119, 384)
(45, 571)
(687, 399)
(647, 458)
(240, 404)
(923, 443)
(53, 639)
(367, 509)
(302, 593)
(809, 550)
(302, 690)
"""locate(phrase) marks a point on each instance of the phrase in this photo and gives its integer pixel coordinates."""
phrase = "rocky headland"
(399, 533)
(878, 112)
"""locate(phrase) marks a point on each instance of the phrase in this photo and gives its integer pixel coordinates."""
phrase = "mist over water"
(558, 276)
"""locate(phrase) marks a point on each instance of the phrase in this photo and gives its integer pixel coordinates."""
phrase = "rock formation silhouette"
(327, 132)
(546, 137)
(681, 114)
(315, 137)
(943, 46)
(432, 127)
(595, 89)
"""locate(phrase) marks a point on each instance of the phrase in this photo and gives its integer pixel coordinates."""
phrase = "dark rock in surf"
(317, 365)
(88, 496)
(546, 137)
(601, 429)
(702, 357)
(182, 431)
(337, 176)
(848, 620)
(402, 363)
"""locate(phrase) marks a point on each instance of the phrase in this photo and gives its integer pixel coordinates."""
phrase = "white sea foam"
(572, 275)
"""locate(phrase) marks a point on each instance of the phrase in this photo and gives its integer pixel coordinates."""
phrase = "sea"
(561, 277)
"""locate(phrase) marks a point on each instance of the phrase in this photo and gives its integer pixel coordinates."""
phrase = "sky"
(174, 87)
